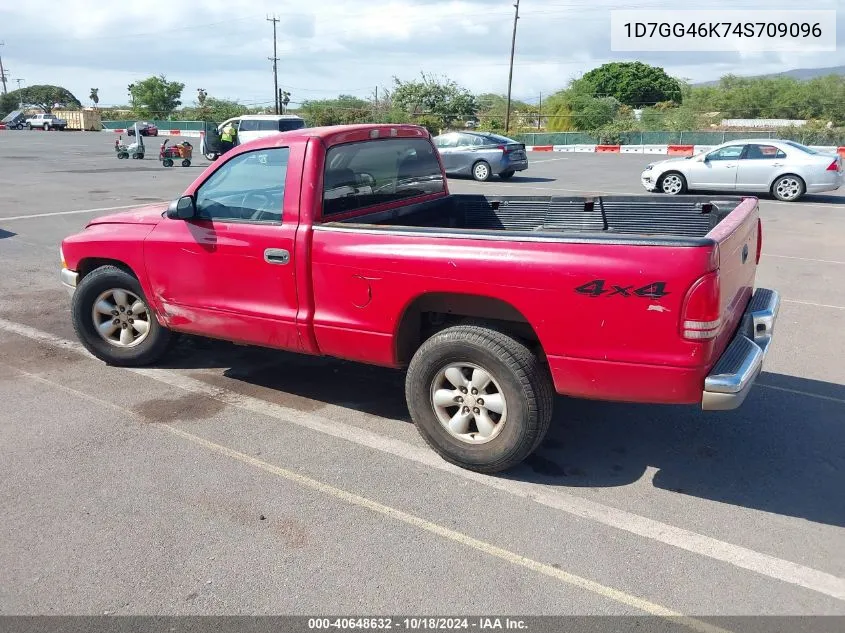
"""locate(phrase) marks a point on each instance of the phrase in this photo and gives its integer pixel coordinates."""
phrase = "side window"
(447, 140)
(250, 186)
(286, 125)
(732, 152)
(762, 152)
(469, 140)
(248, 125)
(367, 173)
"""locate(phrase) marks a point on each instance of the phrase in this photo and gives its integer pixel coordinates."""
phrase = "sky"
(331, 47)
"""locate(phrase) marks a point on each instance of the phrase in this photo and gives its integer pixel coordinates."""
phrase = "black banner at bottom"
(528, 624)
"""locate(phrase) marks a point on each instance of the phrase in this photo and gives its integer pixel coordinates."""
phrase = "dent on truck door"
(229, 272)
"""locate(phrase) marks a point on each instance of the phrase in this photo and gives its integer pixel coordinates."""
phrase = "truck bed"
(651, 219)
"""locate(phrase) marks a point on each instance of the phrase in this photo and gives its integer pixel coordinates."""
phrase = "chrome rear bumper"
(729, 382)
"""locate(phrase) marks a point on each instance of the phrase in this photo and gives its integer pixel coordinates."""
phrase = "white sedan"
(785, 169)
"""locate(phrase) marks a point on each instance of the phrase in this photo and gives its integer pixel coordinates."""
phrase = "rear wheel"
(186, 163)
(29, 126)
(211, 156)
(506, 175)
(673, 184)
(113, 320)
(788, 188)
(167, 162)
(479, 397)
(481, 171)
(46, 127)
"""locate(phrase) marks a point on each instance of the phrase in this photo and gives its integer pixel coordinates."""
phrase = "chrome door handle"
(276, 256)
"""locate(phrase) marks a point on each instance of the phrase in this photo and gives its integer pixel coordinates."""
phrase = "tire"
(211, 156)
(788, 188)
(95, 288)
(186, 163)
(672, 183)
(167, 162)
(507, 175)
(123, 155)
(481, 171)
(46, 127)
(29, 126)
(141, 156)
(518, 378)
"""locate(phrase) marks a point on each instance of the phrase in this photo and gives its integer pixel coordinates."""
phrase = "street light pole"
(275, 61)
(510, 72)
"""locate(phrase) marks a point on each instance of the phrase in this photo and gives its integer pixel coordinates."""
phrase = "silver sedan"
(785, 169)
(480, 155)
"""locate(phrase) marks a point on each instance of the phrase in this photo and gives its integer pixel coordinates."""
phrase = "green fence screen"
(162, 125)
(679, 138)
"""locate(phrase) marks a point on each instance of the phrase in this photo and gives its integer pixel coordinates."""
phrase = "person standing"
(228, 137)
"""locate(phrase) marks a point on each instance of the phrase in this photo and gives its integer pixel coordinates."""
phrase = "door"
(228, 273)
(718, 169)
(447, 147)
(759, 166)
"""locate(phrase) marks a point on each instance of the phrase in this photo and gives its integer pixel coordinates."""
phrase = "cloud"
(327, 47)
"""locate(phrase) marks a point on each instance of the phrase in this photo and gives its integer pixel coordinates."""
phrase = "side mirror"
(182, 209)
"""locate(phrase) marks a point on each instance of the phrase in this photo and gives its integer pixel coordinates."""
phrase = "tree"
(213, 110)
(95, 96)
(343, 110)
(633, 83)
(156, 97)
(43, 97)
(442, 99)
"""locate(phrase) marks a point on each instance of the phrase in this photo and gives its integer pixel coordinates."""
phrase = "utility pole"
(275, 61)
(20, 94)
(3, 72)
(540, 111)
(510, 72)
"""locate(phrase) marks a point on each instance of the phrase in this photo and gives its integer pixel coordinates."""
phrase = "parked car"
(46, 122)
(785, 169)
(144, 129)
(345, 241)
(481, 155)
(251, 127)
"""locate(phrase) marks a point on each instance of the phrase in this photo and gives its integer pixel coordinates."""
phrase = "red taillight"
(834, 166)
(700, 317)
(759, 239)
(504, 148)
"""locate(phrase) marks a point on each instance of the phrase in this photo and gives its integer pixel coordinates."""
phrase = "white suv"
(253, 126)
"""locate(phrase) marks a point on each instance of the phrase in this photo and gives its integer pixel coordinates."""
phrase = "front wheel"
(167, 162)
(113, 320)
(29, 126)
(788, 188)
(46, 127)
(480, 398)
(186, 163)
(673, 184)
(481, 171)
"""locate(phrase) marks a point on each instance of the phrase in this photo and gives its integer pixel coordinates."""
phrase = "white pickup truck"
(46, 121)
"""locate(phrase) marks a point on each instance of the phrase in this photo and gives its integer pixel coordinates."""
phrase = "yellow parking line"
(410, 519)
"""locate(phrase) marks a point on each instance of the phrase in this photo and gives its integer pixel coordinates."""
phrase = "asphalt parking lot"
(243, 481)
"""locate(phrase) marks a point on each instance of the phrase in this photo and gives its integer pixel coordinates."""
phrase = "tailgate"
(739, 238)
(516, 151)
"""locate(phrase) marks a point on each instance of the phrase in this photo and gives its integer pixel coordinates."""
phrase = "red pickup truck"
(345, 242)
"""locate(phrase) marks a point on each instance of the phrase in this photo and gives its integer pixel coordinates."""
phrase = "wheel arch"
(431, 312)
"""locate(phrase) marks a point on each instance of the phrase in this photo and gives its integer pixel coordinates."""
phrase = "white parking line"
(804, 259)
(810, 303)
(736, 555)
(399, 515)
(76, 212)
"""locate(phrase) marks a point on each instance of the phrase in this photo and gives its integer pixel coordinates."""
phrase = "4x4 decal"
(599, 287)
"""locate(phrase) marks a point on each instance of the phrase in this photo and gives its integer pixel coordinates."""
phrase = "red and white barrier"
(585, 148)
(631, 149)
(564, 148)
(607, 149)
(698, 149)
(680, 150)
(184, 133)
(655, 149)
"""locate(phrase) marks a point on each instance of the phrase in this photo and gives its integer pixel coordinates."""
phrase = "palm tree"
(94, 96)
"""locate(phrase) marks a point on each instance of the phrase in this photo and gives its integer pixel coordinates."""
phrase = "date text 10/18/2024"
(419, 624)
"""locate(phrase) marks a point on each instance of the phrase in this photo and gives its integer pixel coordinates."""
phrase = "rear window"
(285, 125)
(803, 148)
(495, 138)
(368, 173)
